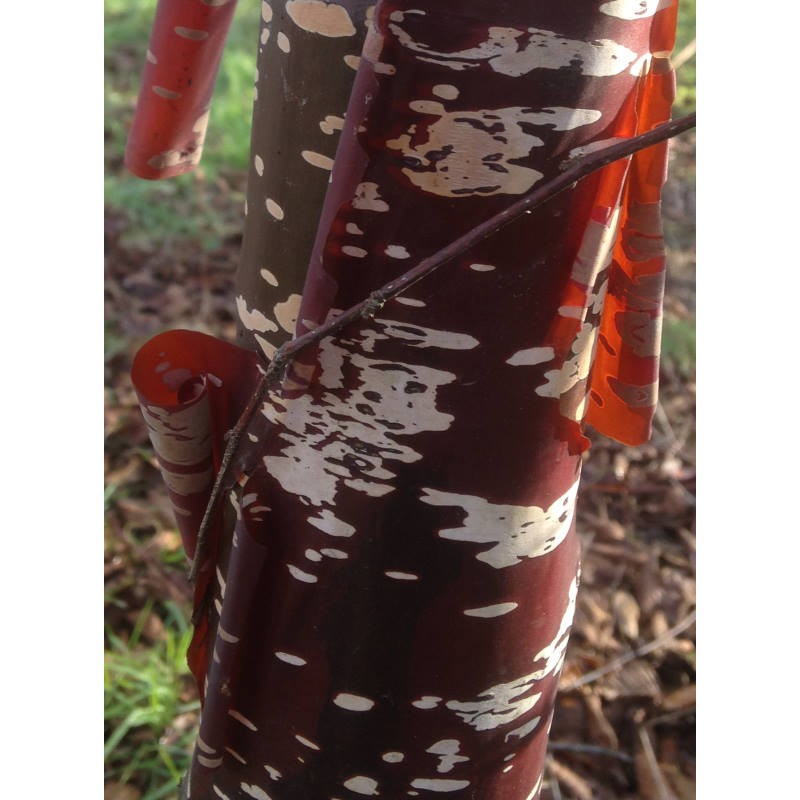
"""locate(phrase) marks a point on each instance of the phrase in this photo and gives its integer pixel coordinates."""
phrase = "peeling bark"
(180, 69)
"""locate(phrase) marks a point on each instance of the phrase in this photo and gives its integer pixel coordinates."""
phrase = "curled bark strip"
(369, 306)
(188, 384)
(191, 387)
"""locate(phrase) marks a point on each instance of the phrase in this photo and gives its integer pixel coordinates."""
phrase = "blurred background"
(625, 721)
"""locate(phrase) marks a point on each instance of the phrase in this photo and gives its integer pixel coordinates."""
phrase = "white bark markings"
(517, 532)
(504, 703)
(471, 151)
(315, 16)
(543, 50)
(357, 432)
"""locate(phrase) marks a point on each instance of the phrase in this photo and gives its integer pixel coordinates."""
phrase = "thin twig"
(632, 655)
(675, 444)
(671, 716)
(561, 773)
(649, 754)
(590, 749)
(684, 55)
(555, 788)
(571, 174)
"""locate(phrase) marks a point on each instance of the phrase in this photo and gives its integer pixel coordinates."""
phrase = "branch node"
(280, 358)
(373, 304)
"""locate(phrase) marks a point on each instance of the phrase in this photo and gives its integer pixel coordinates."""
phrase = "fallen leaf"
(659, 624)
(605, 528)
(571, 780)
(121, 791)
(601, 730)
(685, 697)
(649, 590)
(626, 613)
(634, 679)
(683, 786)
(153, 629)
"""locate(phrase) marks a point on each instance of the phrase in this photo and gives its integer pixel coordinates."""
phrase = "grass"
(686, 97)
(678, 345)
(149, 711)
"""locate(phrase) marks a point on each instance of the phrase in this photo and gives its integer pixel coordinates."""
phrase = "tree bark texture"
(308, 54)
(387, 609)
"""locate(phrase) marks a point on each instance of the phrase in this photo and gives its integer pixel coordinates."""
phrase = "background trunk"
(307, 56)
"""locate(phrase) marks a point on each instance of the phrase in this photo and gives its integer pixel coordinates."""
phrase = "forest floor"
(625, 721)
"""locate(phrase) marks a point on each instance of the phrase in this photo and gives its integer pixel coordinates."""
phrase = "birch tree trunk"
(386, 611)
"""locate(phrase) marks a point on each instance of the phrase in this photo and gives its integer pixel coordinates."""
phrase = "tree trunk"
(307, 57)
(387, 610)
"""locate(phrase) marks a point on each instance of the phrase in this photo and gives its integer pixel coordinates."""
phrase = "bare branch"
(679, 60)
(631, 655)
(555, 788)
(561, 773)
(589, 749)
(569, 175)
(652, 764)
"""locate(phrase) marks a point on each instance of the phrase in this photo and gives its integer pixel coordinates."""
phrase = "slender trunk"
(387, 614)
(171, 118)
(307, 60)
